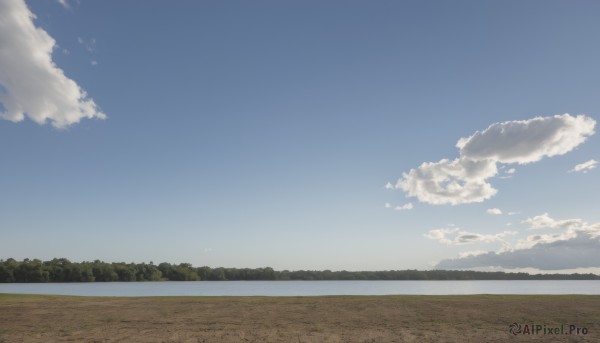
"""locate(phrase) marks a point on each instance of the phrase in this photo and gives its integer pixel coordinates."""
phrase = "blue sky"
(249, 134)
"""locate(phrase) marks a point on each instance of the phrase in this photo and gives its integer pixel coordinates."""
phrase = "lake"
(305, 288)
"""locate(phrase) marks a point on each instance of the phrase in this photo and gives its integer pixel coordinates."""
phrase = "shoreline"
(359, 296)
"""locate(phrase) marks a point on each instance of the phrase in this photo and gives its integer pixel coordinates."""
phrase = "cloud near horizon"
(576, 246)
(456, 236)
(31, 85)
(464, 179)
(544, 221)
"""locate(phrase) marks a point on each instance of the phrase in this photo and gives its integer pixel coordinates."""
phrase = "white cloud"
(526, 141)
(90, 45)
(495, 211)
(389, 186)
(533, 240)
(31, 84)
(585, 166)
(450, 182)
(464, 180)
(94, 62)
(407, 206)
(64, 3)
(471, 253)
(457, 237)
(545, 221)
(571, 229)
(508, 173)
(440, 234)
(576, 246)
(513, 213)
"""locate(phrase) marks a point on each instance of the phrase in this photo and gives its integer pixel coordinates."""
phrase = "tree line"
(63, 270)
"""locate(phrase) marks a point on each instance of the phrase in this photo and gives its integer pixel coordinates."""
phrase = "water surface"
(305, 288)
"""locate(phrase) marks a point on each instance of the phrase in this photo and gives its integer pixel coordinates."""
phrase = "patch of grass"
(12, 296)
(289, 319)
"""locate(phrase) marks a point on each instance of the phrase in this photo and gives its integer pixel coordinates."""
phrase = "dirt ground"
(484, 318)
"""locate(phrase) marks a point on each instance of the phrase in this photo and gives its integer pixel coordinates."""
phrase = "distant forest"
(63, 270)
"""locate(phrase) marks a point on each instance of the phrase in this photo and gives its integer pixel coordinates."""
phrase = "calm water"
(304, 288)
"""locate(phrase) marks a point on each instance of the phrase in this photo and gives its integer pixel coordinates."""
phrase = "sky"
(341, 135)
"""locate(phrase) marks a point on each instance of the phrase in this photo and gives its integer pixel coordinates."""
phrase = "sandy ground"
(294, 319)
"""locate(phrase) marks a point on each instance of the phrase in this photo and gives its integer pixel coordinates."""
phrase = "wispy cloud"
(495, 211)
(545, 221)
(407, 206)
(456, 236)
(89, 45)
(471, 253)
(585, 166)
(508, 173)
(464, 179)
(33, 86)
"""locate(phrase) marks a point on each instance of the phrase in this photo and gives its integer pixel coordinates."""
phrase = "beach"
(472, 318)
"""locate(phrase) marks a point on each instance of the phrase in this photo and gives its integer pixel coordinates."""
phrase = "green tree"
(31, 271)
